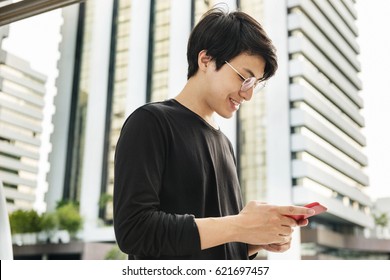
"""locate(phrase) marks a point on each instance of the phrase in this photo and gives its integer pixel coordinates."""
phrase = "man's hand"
(275, 247)
(263, 224)
(257, 224)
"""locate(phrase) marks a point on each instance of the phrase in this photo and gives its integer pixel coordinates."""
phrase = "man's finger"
(295, 210)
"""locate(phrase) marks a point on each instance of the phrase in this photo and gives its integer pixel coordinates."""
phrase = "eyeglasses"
(250, 82)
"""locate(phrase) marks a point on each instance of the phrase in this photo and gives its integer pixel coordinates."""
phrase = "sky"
(36, 40)
(373, 24)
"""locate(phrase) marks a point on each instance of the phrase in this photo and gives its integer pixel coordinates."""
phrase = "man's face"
(224, 93)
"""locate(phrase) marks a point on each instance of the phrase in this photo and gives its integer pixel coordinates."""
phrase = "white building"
(22, 91)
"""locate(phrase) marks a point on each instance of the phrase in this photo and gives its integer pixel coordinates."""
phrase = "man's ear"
(203, 60)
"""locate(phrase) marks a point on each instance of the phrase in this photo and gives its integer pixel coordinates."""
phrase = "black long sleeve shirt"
(170, 167)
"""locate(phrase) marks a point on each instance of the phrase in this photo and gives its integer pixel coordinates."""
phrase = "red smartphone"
(318, 208)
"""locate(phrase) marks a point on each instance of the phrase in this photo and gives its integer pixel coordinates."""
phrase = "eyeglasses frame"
(255, 84)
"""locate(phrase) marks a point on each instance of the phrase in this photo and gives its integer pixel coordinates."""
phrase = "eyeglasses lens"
(248, 84)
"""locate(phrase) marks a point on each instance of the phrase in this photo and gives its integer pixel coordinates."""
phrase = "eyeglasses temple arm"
(234, 69)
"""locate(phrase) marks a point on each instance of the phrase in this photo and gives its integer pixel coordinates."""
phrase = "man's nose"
(247, 95)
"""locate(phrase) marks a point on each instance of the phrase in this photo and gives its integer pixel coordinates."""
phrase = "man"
(177, 194)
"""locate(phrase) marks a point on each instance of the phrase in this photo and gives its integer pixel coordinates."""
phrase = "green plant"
(24, 221)
(115, 254)
(49, 221)
(17, 220)
(104, 199)
(63, 202)
(381, 219)
(69, 218)
(34, 221)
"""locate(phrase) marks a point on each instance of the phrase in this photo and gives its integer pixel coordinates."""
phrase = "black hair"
(225, 35)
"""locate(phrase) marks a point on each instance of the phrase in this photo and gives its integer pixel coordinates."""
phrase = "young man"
(177, 194)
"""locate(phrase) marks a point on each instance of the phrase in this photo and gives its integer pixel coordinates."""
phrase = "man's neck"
(192, 97)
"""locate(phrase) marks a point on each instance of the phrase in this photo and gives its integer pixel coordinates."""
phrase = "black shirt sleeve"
(141, 229)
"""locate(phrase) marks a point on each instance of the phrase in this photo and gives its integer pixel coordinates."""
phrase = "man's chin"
(226, 116)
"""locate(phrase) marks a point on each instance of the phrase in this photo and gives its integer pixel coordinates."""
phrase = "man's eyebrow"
(249, 71)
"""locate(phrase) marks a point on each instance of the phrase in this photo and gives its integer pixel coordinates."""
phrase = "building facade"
(22, 91)
(300, 140)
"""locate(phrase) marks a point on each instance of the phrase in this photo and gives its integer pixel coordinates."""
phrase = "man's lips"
(235, 102)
